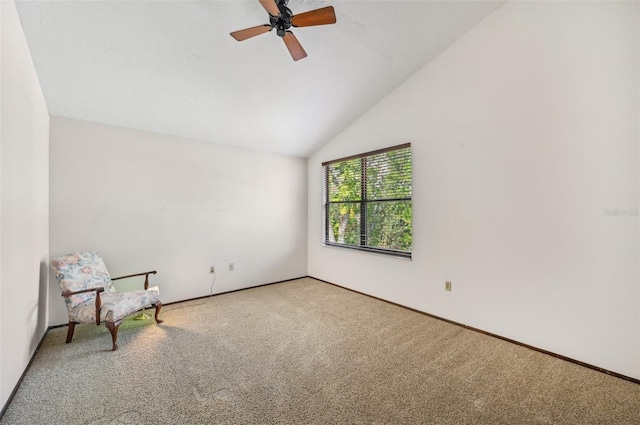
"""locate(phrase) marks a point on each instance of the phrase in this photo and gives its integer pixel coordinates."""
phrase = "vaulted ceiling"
(171, 67)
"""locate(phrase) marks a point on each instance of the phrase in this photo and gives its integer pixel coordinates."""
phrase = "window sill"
(388, 252)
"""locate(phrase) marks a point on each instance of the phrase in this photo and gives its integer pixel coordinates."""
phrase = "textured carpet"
(306, 352)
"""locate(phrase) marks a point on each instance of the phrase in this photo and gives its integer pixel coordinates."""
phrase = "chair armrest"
(134, 275)
(97, 289)
(145, 274)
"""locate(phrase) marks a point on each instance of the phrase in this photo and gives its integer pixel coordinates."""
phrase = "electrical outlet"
(212, 269)
(231, 267)
(447, 285)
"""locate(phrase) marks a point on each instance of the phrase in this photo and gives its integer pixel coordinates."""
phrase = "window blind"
(367, 201)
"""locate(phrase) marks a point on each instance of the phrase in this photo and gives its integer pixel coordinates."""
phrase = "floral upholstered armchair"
(90, 296)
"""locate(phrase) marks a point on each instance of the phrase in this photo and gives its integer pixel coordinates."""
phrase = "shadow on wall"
(56, 309)
(43, 302)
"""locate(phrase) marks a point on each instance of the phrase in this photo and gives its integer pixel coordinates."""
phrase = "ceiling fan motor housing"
(281, 22)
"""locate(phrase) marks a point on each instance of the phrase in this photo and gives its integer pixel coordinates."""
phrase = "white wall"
(24, 213)
(524, 133)
(148, 201)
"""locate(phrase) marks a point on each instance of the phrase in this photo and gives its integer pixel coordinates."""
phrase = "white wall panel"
(152, 202)
(525, 140)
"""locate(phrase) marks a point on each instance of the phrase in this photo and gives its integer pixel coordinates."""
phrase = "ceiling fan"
(281, 18)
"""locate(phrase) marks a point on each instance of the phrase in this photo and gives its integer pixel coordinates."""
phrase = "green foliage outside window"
(368, 201)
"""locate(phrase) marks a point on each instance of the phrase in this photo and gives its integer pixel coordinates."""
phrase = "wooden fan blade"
(270, 6)
(250, 32)
(323, 16)
(292, 43)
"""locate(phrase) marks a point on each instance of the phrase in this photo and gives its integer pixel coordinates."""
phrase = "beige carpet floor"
(306, 352)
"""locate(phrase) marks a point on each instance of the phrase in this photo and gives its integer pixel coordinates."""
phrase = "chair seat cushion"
(115, 306)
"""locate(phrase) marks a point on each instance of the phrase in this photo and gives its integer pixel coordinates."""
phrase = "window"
(367, 201)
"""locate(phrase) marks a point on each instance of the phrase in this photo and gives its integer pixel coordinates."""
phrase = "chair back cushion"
(81, 270)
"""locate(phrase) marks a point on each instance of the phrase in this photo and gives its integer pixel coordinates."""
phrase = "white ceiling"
(171, 67)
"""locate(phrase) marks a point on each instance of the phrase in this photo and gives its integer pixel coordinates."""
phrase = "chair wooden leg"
(70, 329)
(113, 328)
(158, 307)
